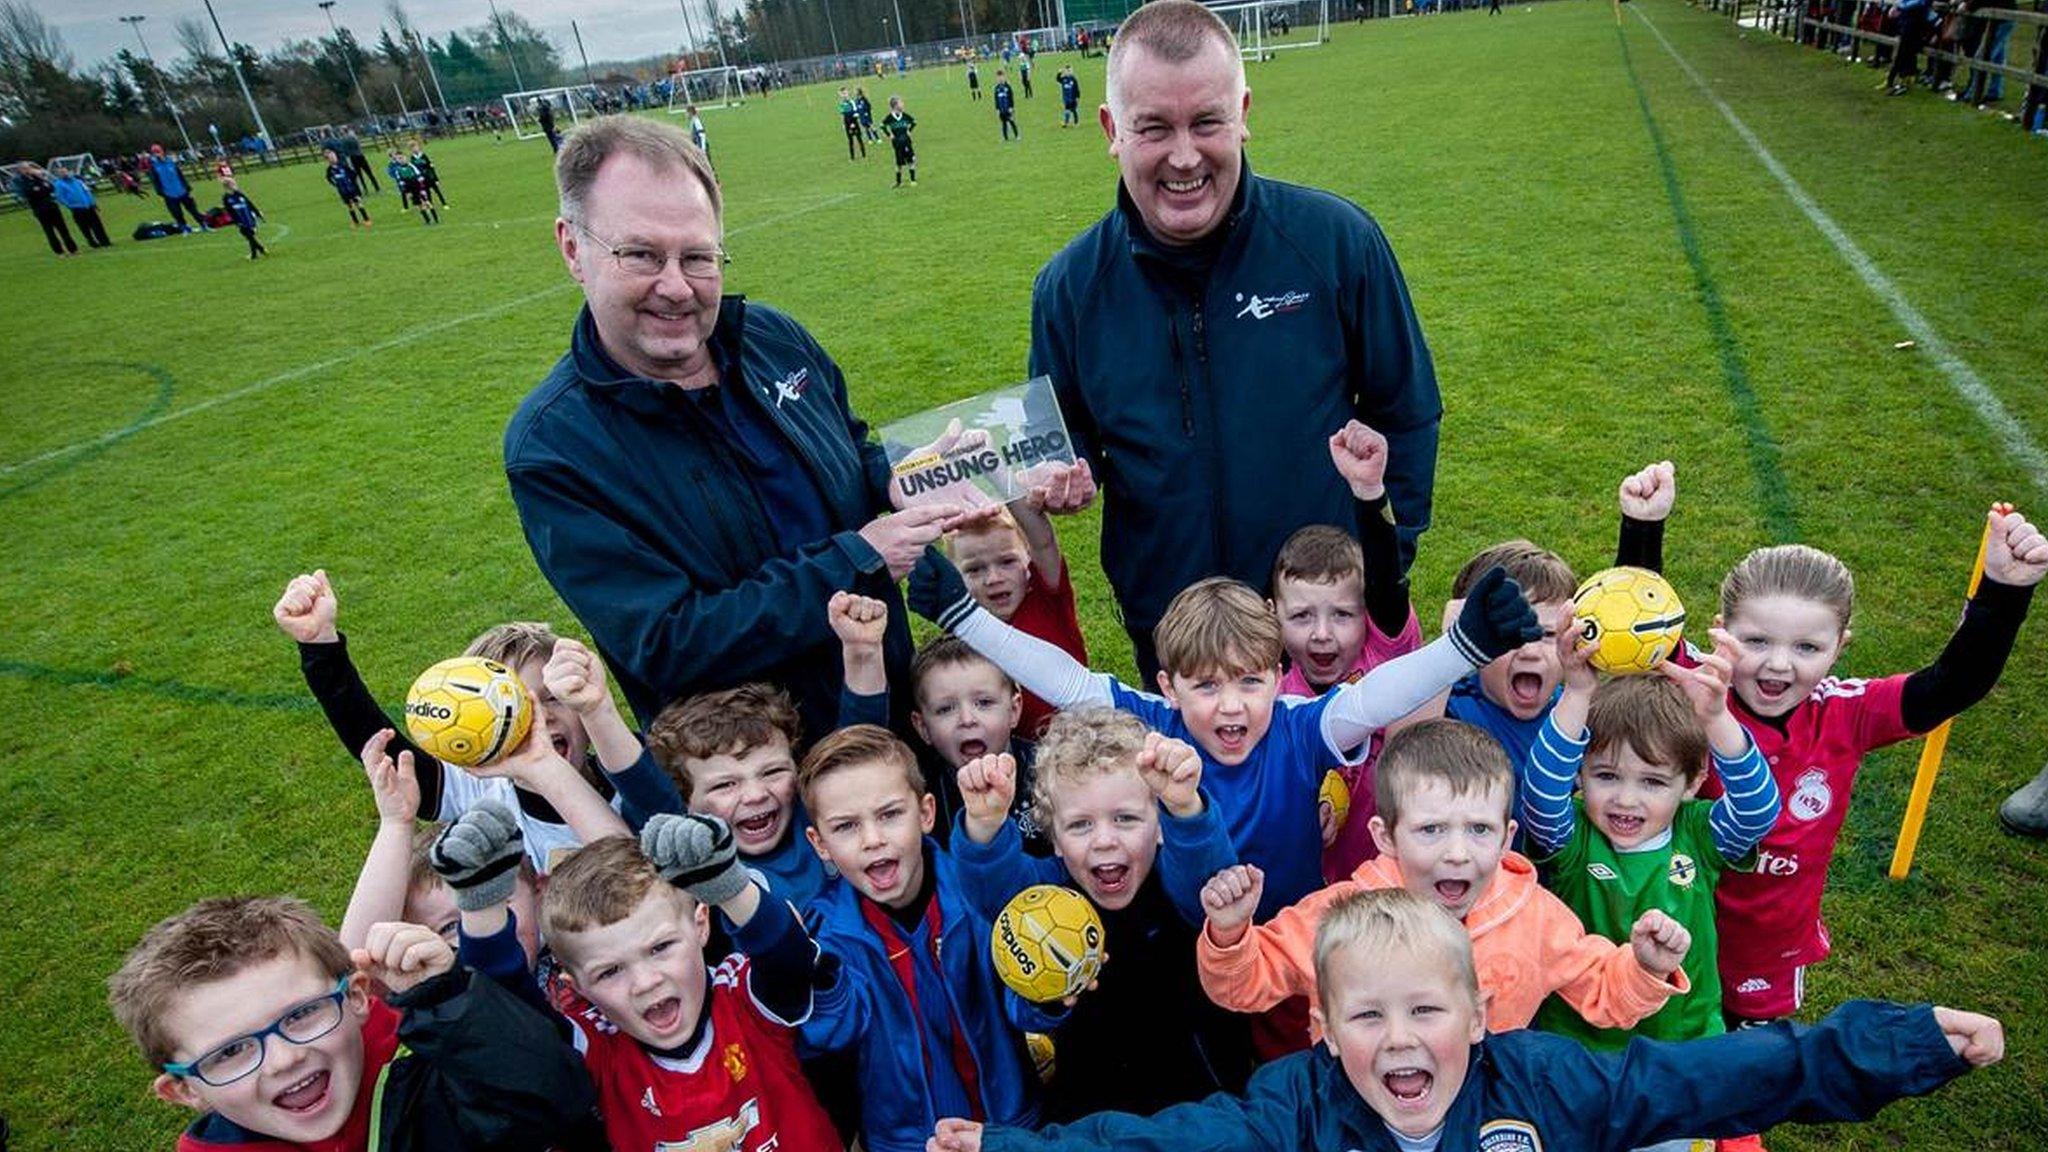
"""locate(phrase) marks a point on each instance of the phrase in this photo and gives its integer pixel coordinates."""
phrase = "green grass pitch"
(1606, 272)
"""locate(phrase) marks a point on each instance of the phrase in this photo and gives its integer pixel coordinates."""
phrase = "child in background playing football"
(1788, 609)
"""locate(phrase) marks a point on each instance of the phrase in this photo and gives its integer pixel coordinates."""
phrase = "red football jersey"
(741, 1090)
(1769, 918)
(1049, 614)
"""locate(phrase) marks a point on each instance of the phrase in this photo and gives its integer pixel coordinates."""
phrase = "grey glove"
(479, 854)
(695, 853)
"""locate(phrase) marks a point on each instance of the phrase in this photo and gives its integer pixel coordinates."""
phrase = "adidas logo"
(1753, 985)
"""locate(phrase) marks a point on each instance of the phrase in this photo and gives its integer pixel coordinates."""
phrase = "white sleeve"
(1045, 670)
(1391, 691)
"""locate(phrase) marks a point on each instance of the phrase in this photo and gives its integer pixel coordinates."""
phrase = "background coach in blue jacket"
(690, 476)
(1210, 333)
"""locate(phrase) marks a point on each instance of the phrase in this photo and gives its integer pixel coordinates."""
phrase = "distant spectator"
(33, 185)
(1915, 19)
(170, 184)
(73, 193)
(1994, 41)
(352, 151)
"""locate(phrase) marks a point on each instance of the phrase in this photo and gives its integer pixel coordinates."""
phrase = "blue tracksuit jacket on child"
(1531, 1091)
(866, 1009)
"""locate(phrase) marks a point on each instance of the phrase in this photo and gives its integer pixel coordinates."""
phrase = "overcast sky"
(612, 29)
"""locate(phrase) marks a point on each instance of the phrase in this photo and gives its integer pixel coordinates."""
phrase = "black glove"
(478, 855)
(937, 591)
(695, 853)
(1495, 620)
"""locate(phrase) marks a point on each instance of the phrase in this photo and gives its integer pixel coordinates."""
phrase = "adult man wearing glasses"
(690, 475)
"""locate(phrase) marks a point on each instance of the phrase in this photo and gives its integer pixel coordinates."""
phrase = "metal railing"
(1857, 29)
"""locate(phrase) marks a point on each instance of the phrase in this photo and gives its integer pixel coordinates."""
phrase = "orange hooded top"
(1525, 942)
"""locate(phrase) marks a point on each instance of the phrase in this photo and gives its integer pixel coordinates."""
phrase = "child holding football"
(1129, 828)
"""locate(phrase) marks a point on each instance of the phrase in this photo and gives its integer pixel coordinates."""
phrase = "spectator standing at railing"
(1915, 17)
(1995, 40)
(2034, 113)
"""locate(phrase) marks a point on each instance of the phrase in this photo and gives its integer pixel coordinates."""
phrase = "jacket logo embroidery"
(1260, 307)
(1509, 1136)
(792, 386)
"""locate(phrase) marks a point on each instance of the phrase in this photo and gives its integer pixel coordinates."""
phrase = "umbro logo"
(1601, 872)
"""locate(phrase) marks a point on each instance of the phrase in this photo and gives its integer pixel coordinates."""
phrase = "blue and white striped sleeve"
(1748, 807)
(1547, 776)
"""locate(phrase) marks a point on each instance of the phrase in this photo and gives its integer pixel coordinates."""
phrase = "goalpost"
(571, 105)
(706, 88)
(80, 164)
(1049, 39)
(1264, 27)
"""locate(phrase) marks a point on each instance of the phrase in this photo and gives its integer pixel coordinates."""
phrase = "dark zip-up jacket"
(643, 518)
(1530, 1091)
(1205, 399)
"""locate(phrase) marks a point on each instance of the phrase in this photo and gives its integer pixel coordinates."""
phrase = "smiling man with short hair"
(691, 476)
(1209, 334)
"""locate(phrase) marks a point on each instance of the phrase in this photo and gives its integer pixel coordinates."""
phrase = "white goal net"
(571, 107)
(706, 88)
(1264, 27)
(80, 164)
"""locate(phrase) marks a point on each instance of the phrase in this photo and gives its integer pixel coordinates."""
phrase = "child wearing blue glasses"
(261, 1021)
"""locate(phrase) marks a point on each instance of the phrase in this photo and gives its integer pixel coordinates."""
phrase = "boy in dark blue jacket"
(1409, 1066)
(916, 996)
(1144, 1036)
(1006, 106)
(343, 178)
(245, 212)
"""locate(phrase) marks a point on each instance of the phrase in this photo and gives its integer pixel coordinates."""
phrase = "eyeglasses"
(244, 1054)
(646, 263)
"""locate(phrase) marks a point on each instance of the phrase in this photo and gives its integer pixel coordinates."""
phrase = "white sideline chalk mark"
(1963, 378)
(398, 341)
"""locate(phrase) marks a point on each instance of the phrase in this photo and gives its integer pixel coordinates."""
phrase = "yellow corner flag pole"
(1936, 746)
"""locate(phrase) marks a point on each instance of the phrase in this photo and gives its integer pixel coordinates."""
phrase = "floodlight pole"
(419, 44)
(135, 22)
(505, 44)
(900, 41)
(262, 131)
(830, 27)
(327, 6)
(717, 32)
(578, 33)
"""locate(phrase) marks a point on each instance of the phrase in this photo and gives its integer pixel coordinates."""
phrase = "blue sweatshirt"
(72, 192)
(907, 1081)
